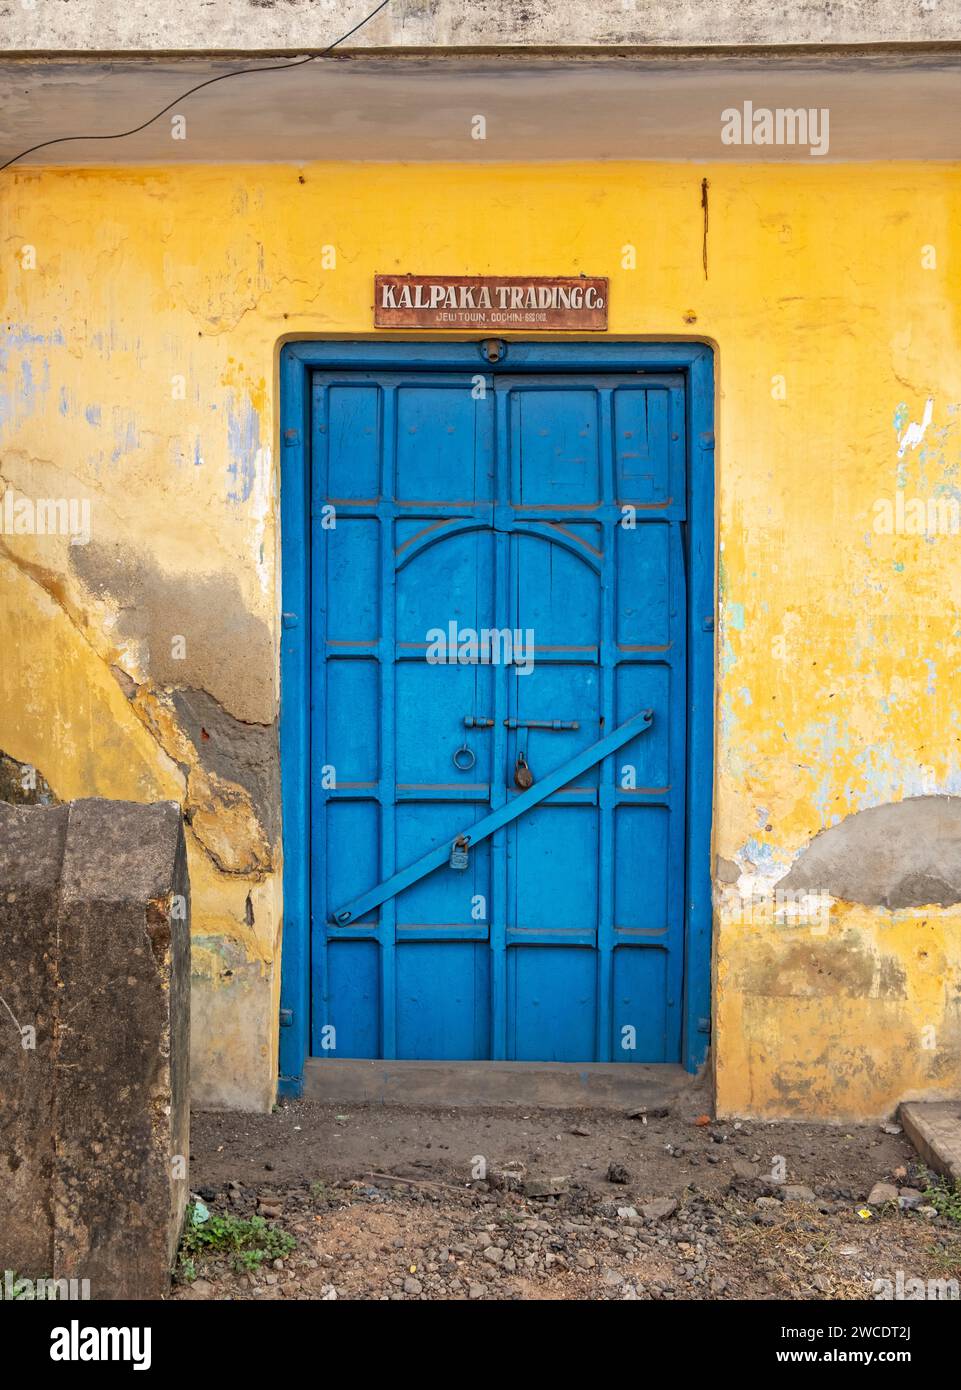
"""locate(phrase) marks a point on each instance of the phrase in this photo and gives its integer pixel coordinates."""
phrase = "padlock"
(523, 777)
(458, 853)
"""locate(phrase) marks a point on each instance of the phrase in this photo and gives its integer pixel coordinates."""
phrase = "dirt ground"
(387, 1202)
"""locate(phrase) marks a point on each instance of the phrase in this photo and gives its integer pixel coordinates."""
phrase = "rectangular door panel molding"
(497, 582)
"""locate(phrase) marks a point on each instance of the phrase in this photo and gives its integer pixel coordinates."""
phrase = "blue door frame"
(297, 361)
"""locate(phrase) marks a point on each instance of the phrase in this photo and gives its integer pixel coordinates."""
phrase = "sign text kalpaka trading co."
(570, 302)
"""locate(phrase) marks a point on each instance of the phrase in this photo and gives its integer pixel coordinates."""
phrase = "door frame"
(297, 361)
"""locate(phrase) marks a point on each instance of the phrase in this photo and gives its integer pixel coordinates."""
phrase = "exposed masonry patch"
(23, 785)
(222, 818)
(126, 682)
(246, 754)
(219, 810)
(903, 854)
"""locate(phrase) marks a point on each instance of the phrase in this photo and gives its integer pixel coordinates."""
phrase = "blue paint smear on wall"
(125, 434)
(728, 718)
(33, 388)
(15, 339)
(763, 856)
(735, 616)
(243, 441)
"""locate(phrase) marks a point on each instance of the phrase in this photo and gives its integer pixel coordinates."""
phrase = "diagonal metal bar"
(502, 816)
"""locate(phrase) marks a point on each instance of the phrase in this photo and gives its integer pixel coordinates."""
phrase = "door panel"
(547, 510)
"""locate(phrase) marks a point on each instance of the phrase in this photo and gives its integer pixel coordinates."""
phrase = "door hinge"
(704, 1026)
(286, 1018)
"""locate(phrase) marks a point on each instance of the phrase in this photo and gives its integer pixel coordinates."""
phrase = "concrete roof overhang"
(391, 106)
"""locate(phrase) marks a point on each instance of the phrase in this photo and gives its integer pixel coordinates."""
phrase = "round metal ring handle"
(464, 758)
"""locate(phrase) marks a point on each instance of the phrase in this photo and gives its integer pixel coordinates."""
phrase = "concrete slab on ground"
(934, 1128)
(608, 1086)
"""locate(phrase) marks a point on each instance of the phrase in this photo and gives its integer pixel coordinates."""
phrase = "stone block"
(31, 855)
(94, 950)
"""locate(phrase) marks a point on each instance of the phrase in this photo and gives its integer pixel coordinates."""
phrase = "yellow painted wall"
(837, 648)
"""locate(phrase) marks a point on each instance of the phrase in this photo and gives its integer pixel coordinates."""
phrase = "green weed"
(248, 1242)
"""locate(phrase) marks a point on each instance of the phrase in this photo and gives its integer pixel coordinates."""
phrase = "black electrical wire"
(238, 72)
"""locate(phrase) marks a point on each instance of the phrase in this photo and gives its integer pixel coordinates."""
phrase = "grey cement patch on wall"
(247, 754)
(901, 855)
(725, 870)
(262, 25)
(228, 651)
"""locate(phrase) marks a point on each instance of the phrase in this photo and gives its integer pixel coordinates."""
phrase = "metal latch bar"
(473, 721)
(541, 724)
(553, 782)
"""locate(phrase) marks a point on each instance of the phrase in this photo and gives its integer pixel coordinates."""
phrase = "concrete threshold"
(934, 1128)
(547, 1085)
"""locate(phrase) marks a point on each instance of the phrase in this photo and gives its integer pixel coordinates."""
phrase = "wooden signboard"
(575, 303)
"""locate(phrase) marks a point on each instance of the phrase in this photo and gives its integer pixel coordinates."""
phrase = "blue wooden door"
(498, 581)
